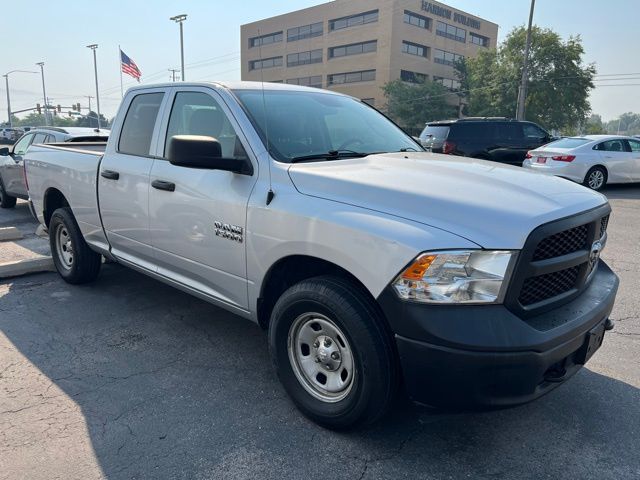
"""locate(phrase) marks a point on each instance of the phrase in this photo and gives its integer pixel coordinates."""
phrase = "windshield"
(304, 124)
(568, 143)
(434, 132)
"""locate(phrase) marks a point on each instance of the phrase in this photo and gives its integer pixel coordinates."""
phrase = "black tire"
(6, 200)
(84, 265)
(592, 176)
(374, 382)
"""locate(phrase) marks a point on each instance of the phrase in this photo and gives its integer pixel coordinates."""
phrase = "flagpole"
(120, 68)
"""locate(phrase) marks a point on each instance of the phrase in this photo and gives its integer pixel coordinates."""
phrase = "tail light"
(24, 173)
(528, 155)
(448, 147)
(564, 158)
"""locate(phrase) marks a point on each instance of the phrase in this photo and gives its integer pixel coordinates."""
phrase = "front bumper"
(484, 355)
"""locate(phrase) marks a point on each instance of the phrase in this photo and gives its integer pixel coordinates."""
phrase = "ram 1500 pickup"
(371, 263)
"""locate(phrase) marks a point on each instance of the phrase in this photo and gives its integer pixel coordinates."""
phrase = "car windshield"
(304, 125)
(570, 142)
(434, 132)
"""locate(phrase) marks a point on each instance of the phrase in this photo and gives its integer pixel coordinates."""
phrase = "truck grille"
(554, 266)
(562, 243)
(537, 289)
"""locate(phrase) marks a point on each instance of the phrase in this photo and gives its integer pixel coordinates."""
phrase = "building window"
(265, 63)
(265, 39)
(351, 77)
(306, 31)
(314, 81)
(478, 39)
(415, 49)
(370, 101)
(353, 49)
(304, 58)
(417, 20)
(412, 77)
(353, 20)
(446, 58)
(449, 83)
(451, 31)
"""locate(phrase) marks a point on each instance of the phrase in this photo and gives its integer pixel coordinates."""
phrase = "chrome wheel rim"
(64, 247)
(596, 179)
(321, 357)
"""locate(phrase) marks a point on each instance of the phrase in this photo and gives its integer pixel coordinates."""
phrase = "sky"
(57, 33)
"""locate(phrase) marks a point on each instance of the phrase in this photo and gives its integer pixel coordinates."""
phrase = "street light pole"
(522, 92)
(44, 94)
(6, 79)
(179, 19)
(93, 47)
(173, 74)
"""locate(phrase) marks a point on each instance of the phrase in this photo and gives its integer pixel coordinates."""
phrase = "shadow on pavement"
(172, 387)
(629, 191)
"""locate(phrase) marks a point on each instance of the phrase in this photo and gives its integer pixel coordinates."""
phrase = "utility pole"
(95, 69)
(6, 79)
(89, 97)
(179, 19)
(522, 92)
(44, 94)
(173, 74)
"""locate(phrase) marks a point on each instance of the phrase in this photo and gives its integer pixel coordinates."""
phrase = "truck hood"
(492, 205)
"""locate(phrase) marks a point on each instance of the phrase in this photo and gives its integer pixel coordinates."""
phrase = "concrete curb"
(25, 267)
(9, 233)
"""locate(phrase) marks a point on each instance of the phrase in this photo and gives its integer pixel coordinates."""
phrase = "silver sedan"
(593, 160)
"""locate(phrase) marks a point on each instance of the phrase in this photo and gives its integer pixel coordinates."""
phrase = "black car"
(498, 139)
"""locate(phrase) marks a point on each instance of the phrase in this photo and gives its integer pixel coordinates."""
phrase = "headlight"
(475, 276)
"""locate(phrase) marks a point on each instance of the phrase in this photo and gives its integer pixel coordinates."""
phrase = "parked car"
(366, 259)
(9, 135)
(12, 182)
(488, 138)
(593, 160)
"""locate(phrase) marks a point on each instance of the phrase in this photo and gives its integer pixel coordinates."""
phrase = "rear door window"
(435, 132)
(137, 129)
(612, 146)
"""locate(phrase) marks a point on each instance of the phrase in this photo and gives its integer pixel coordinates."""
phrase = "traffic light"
(59, 108)
(39, 109)
(78, 106)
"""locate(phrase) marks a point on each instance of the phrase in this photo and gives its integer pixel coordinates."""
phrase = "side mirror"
(4, 151)
(197, 151)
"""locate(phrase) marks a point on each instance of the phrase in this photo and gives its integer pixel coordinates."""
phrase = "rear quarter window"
(139, 122)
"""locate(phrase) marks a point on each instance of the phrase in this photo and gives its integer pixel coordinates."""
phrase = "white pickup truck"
(370, 262)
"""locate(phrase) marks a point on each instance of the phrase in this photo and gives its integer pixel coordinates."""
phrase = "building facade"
(357, 46)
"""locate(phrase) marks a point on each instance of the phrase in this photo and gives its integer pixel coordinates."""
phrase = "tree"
(37, 120)
(90, 120)
(594, 125)
(413, 104)
(559, 82)
(626, 124)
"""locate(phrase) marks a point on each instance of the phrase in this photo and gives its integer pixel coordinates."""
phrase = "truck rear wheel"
(75, 261)
(333, 352)
(6, 200)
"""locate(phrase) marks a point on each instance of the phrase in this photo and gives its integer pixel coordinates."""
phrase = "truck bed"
(72, 169)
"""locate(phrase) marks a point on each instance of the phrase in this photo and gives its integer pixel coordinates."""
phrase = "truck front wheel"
(75, 261)
(333, 353)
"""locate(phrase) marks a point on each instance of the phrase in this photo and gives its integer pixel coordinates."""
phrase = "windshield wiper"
(330, 155)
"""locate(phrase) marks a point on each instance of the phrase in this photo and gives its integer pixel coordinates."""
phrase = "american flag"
(129, 66)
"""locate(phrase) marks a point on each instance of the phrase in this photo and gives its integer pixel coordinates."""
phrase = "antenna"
(270, 193)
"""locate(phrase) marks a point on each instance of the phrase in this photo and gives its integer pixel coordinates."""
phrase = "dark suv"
(498, 139)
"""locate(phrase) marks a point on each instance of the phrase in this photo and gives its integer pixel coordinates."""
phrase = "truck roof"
(239, 85)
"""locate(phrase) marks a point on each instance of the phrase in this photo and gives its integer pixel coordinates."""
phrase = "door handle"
(110, 174)
(163, 185)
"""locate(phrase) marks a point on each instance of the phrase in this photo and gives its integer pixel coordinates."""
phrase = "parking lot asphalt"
(129, 378)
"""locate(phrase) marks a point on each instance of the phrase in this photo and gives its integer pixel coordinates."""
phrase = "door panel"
(634, 146)
(617, 160)
(198, 227)
(13, 171)
(123, 183)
